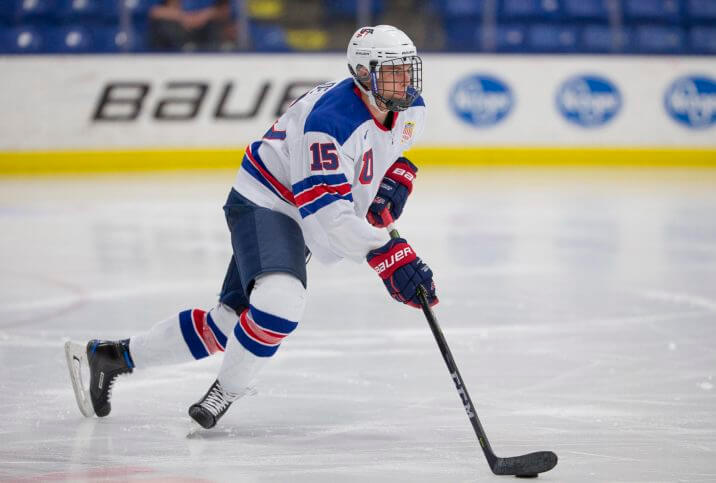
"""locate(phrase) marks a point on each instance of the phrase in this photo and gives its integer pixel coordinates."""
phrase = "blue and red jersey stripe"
(253, 165)
(315, 192)
(308, 195)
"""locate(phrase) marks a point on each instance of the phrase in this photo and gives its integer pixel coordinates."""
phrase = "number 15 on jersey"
(324, 157)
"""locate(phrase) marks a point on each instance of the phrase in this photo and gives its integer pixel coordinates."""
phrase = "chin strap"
(369, 93)
(374, 90)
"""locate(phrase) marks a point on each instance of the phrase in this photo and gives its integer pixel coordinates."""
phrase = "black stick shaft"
(456, 378)
(454, 372)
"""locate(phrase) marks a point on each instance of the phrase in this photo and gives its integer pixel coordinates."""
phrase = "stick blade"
(76, 356)
(528, 465)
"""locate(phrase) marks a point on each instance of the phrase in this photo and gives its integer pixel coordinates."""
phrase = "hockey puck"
(528, 475)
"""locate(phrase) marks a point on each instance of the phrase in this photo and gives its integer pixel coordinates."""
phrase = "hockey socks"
(190, 335)
(277, 304)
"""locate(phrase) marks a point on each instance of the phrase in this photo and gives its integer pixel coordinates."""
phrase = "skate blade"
(76, 356)
(195, 430)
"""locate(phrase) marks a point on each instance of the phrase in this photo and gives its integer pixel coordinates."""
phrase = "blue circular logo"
(589, 100)
(481, 100)
(692, 101)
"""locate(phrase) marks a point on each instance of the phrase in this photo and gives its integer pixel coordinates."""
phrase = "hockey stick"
(525, 466)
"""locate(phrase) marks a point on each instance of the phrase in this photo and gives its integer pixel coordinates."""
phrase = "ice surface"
(580, 308)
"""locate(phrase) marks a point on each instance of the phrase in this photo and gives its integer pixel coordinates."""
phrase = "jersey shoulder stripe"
(253, 165)
(338, 112)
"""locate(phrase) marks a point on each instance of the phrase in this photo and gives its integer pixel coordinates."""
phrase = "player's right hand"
(392, 194)
(402, 272)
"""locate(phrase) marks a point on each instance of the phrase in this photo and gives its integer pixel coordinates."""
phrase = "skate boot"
(212, 406)
(107, 359)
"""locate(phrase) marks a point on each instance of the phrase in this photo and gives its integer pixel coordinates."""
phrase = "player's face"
(394, 80)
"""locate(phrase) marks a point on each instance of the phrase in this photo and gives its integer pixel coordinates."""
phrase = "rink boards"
(95, 113)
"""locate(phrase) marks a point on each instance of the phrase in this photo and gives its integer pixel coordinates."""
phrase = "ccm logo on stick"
(461, 391)
(395, 257)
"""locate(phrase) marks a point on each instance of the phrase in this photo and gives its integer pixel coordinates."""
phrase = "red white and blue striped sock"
(190, 335)
(277, 303)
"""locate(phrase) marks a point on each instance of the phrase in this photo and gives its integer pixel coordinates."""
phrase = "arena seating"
(509, 26)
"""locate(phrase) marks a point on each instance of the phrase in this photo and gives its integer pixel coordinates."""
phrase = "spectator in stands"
(188, 24)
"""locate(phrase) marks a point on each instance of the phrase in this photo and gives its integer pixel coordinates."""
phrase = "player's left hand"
(402, 272)
(393, 193)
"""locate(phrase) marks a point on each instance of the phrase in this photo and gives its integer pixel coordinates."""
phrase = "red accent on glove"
(386, 263)
(403, 173)
(384, 215)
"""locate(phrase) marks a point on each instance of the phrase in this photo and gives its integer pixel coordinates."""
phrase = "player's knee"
(276, 306)
(279, 294)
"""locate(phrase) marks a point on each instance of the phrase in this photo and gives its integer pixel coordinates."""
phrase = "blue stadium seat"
(544, 10)
(702, 10)
(79, 10)
(7, 11)
(658, 39)
(269, 38)
(459, 8)
(110, 9)
(113, 39)
(70, 39)
(703, 40)
(20, 40)
(661, 10)
(349, 8)
(603, 39)
(552, 38)
(586, 9)
(597, 38)
(37, 11)
(462, 34)
(511, 38)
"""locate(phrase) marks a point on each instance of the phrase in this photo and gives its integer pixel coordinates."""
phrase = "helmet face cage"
(397, 83)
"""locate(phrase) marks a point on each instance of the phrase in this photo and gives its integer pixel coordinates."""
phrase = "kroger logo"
(692, 101)
(589, 100)
(481, 100)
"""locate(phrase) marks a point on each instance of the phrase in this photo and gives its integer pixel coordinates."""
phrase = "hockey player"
(327, 175)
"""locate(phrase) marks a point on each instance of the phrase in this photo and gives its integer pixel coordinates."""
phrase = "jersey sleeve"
(321, 185)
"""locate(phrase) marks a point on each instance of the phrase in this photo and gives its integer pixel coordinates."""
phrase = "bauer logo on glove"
(390, 261)
(403, 272)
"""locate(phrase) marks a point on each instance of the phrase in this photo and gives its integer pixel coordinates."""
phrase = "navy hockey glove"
(402, 272)
(393, 193)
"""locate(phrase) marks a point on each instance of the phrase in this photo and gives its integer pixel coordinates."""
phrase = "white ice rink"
(580, 308)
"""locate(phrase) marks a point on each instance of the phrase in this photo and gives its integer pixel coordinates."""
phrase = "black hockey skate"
(212, 406)
(102, 361)
(107, 359)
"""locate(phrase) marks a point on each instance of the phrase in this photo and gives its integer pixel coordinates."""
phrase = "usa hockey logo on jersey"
(407, 131)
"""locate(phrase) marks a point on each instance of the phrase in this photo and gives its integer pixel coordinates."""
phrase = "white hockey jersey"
(321, 163)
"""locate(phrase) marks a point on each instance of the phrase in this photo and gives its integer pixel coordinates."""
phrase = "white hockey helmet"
(375, 51)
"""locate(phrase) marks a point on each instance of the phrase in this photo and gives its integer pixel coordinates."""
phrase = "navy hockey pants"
(263, 241)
